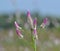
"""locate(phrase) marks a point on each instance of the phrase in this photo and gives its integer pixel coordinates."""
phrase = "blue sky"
(44, 6)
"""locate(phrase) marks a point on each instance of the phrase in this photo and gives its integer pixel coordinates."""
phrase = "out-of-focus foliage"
(7, 20)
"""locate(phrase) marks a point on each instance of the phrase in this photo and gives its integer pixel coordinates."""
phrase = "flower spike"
(43, 25)
(34, 30)
(35, 22)
(18, 30)
(19, 33)
(16, 25)
(30, 20)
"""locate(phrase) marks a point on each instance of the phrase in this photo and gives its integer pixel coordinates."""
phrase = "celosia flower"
(44, 22)
(30, 21)
(28, 13)
(19, 33)
(18, 30)
(35, 22)
(34, 30)
(35, 34)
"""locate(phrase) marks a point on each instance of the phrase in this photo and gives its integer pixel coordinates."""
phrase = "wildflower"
(17, 26)
(43, 25)
(35, 22)
(30, 21)
(19, 33)
(33, 25)
(35, 34)
(45, 21)
(18, 30)
(35, 30)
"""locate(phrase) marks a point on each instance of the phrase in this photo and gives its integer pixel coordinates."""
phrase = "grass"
(20, 45)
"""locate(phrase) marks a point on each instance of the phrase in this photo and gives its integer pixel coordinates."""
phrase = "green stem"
(34, 44)
(33, 41)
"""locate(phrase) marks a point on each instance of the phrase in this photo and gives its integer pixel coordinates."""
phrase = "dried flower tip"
(21, 36)
(42, 25)
(36, 37)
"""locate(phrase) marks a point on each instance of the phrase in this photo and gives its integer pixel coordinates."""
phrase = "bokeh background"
(16, 10)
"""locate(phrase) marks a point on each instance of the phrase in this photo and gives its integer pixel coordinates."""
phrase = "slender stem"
(34, 45)
(33, 41)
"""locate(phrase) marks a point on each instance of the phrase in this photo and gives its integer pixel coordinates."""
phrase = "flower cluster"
(33, 25)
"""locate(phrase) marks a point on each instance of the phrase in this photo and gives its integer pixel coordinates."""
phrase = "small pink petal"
(28, 13)
(19, 33)
(16, 24)
(35, 21)
(35, 31)
(45, 20)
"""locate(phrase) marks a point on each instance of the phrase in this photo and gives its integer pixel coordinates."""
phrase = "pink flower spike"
(43, 25)
(19, 33)
(35, 21)
(30, 20)
(45, 20)
(35, 33)
(28, 13)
